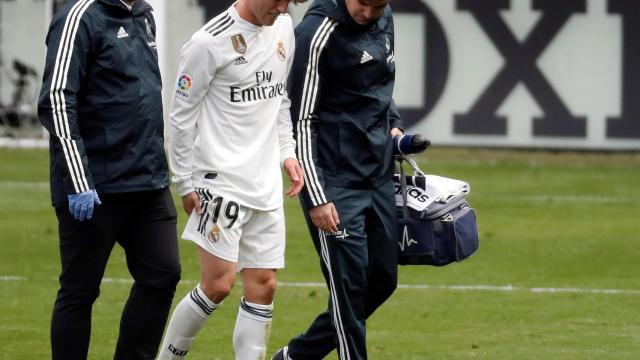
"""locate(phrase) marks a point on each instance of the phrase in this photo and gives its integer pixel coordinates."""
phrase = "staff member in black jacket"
(101, 103)
(344, 117)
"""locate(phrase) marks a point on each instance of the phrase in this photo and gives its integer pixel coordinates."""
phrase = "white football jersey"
(230, 125)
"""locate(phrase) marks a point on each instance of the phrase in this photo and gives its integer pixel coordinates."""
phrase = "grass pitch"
(557, 275)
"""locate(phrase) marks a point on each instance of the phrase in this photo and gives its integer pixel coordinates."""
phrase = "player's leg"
(218, 244)
(84, 251)
(193, 311)
(261, 253)
(253, 323)
(151, 247)
(381, 228)
(344, 261)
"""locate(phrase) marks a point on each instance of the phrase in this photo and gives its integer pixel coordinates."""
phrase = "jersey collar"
(244, 24)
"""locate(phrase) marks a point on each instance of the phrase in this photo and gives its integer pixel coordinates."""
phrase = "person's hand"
(325, 217)
(191, 201)
(81, 205)
(294, 171)
(409, 144)
(396, 132)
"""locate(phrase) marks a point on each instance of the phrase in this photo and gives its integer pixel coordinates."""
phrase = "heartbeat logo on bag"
(406, 240)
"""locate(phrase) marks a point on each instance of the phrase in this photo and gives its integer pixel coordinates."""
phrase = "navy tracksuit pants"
(144, 224)
(360, 268)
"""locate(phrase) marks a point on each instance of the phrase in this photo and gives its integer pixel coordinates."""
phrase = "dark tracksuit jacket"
(101, 103)
(341, 87)
(101, 100)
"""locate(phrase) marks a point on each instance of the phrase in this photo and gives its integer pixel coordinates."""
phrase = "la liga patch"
(184, 85)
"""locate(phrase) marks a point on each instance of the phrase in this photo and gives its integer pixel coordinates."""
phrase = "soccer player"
(341, 87)
(102, 105)
(230, 134)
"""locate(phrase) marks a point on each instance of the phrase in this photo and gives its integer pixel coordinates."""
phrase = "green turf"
(547, 220)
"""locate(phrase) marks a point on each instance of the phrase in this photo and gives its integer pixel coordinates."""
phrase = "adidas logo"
(365, 57)
(240, 60)
(122, 33)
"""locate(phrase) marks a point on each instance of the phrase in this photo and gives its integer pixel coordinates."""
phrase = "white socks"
(253, 327)
(250, 335)
(187, 320)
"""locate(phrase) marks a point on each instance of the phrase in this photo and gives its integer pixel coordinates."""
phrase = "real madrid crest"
(151, 42)
(239, 45)
(214, 233)
(280, 51)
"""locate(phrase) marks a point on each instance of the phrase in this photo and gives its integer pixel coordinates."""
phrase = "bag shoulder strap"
(403, 181)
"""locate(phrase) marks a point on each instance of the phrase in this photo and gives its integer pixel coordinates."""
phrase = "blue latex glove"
(409, 144)
(81, 205)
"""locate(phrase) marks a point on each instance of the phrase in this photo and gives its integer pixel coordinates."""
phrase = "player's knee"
(269, 290)
(261, 289)
(216, 291)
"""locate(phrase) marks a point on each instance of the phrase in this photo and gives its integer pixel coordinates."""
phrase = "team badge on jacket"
(152, 39)
(239, 45)
(280, 51)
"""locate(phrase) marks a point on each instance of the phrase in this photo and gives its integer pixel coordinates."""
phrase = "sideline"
(493, 288)
(539, 198)
(23, 143)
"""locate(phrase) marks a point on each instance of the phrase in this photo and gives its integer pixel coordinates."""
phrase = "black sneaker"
(282, 354)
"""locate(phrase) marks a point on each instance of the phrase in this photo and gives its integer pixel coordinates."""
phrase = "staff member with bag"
(344, 117)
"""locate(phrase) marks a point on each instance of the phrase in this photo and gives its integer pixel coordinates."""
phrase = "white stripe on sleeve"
(309, 94)
(56, 94)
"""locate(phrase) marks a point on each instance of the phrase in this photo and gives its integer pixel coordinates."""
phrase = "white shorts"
(251, 238)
